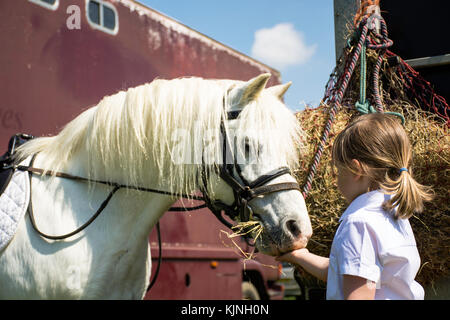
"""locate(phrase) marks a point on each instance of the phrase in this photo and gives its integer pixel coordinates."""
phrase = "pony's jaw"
(285, 221)
(283, 216)
(268, 247)
(276, 212)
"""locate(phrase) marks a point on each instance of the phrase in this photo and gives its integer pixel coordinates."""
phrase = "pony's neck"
(132, 212)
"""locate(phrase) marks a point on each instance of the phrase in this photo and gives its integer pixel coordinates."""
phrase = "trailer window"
(102, 16)
(109, 18)
(94, 12)
(48, 4)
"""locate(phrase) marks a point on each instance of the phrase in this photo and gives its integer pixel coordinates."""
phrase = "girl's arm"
(357, 288)
(313, 264)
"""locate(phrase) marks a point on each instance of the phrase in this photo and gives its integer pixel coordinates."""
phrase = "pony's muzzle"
(293, 228)
(298, 237)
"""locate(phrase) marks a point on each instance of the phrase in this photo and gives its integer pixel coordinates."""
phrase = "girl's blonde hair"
(382, 147)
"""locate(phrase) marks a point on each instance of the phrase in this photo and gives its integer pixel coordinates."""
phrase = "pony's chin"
(274, 250)
(270, 251)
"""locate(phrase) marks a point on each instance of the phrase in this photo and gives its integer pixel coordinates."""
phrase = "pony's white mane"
(131, 134)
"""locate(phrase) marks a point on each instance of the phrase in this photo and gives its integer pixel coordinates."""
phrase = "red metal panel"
(195, 279)
(50, 73)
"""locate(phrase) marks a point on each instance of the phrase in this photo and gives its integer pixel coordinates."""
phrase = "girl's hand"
(311, 263)
(293, 256)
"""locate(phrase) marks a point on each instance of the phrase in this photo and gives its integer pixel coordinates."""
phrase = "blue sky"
(297, 36)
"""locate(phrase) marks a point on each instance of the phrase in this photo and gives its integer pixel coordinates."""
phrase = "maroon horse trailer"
(60, 57)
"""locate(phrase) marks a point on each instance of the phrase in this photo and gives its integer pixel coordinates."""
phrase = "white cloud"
(281, 46)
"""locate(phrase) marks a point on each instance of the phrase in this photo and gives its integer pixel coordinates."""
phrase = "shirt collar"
(370, 201)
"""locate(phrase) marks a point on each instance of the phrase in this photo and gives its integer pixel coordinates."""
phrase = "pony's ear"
(279, 90)
(245, 93)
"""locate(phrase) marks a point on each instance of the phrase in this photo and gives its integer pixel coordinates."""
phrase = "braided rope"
(375, 84)
(340, 87)
(335, 101)
(386, 43)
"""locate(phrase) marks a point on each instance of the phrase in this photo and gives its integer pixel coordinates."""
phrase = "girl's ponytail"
(408, 195)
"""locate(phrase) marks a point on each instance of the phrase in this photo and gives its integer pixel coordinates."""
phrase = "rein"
(31, 170)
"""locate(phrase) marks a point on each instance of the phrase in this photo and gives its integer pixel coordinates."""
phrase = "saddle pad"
(13, 205)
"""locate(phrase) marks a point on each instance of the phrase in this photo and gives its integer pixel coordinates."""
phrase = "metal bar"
(344, 11)
(427, 62)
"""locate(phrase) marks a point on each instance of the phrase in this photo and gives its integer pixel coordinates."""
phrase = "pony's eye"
(257, 217)
(247, 148)
(251, 150)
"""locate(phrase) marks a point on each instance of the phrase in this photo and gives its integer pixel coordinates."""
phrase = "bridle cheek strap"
(243, 194)
(246, 212)
(243, 191)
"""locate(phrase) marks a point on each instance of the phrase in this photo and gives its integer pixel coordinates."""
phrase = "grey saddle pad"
(13, 205)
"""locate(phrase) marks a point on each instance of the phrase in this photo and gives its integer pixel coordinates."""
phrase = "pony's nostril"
(293, 228)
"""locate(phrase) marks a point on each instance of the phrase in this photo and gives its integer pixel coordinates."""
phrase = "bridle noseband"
(243, 192)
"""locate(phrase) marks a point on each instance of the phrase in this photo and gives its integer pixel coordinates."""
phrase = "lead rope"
(363, 105)
(336, 96)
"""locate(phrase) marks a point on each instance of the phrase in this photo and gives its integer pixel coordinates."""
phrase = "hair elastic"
(403, 169)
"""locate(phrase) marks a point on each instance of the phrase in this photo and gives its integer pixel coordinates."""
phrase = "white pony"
(133, 138)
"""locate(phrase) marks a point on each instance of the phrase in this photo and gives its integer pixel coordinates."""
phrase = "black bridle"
(244, 191)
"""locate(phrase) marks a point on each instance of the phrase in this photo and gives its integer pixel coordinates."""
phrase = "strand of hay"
(431, 157)
(239, 230)
(252, 228)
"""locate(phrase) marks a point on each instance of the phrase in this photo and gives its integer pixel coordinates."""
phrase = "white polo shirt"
(371, 244)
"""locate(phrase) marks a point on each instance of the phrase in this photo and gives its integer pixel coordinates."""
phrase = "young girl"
(374, 253)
